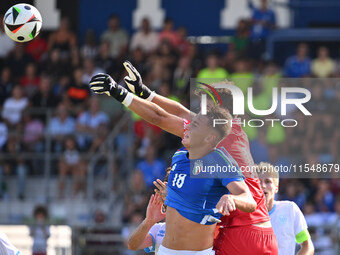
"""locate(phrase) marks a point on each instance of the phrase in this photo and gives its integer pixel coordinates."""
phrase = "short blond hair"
(266, 168)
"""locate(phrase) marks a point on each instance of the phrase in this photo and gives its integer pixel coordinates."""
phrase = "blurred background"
(80, 169)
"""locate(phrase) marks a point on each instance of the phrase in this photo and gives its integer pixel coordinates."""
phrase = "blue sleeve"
(226, 181)
(151, 248)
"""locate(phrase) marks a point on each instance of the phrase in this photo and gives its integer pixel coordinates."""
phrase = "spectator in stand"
(242, 76)
(60, 126)
(39, 231)
(292, 192)
(18, 60)
(44, 97)
(6, 84)
(124, 143)
(239, 42)
(271, 78)
(228, 61)
(71, 163)
(116, 37)
(105, 61)
(212, 71)
(299, 65)
(37, 48)
(324, 198)
(168, 34)
(89, 49)
(89, 121)
(183, 45)
(151, 167)
(162, 65)
(263, 22)
(90, 69)
(13, 107)
(168, 55)
(7, 44)
(33, 132)
(30, 81)
(323, 66)
(63, 39)
(78, 92)
(182, 75)
(144, 38)
(138, 58)
(15, 164)
(54, 66)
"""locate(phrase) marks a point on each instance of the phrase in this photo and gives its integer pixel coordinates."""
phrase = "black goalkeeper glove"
(104, 84)
(135, 83)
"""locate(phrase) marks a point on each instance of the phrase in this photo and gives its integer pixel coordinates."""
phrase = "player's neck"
(270, 204)
(196, 153)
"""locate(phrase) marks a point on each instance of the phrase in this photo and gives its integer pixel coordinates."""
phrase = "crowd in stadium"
(52, 72)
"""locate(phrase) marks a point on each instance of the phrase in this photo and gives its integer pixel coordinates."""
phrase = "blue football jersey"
(196, 198)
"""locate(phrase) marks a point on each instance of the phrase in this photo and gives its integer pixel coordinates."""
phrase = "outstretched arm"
(172, 106)
(135, 84)
(157, 116)
(104, 84)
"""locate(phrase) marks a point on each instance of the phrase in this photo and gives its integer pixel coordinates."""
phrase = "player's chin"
(186, 142)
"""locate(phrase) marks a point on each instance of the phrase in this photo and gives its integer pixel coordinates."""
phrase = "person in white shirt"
(6, 248)
(89, 122)
(145, 38)
(287, 220)
(116, 37)
(13, 106)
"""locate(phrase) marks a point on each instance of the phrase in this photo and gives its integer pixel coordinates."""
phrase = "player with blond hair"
(288, 222)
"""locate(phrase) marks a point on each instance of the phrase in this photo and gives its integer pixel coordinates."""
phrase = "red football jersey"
(237, 144)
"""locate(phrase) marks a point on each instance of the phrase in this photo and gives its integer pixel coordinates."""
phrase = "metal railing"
(48, 156)
(107, 150)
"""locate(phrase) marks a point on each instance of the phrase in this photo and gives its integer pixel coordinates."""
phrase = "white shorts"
(165, 251)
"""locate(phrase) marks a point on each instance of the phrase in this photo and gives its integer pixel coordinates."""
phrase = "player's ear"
(276, 189)
(210, 138)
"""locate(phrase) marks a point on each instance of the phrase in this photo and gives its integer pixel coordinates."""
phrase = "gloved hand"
(104, 84)
(135, 83)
